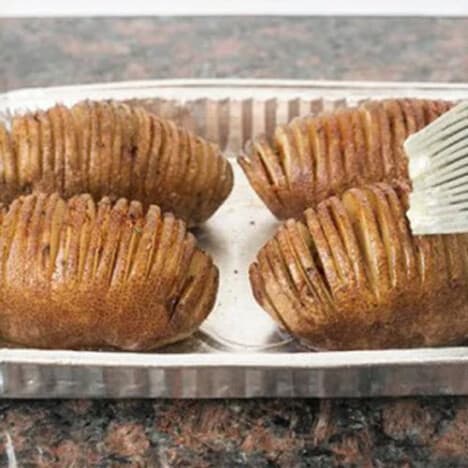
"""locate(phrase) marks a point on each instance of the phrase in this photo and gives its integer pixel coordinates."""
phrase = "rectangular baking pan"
(238, 352)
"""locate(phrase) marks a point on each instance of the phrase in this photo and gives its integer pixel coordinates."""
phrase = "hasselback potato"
(112, 149)
(351, 276)
(315, 157)
(75, 274)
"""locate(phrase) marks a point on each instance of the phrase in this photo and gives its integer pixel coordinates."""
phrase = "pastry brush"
(438, 168)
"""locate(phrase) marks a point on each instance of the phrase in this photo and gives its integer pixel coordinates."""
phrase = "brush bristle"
(438, 167)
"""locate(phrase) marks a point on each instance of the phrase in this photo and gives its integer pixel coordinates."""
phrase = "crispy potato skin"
(111, 149)
(350, 275)
(315, 157)
(79, 275)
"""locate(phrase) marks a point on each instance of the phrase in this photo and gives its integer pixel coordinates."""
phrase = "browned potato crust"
(111, 149)
(79, 275)
(351, 276)
(313, 158)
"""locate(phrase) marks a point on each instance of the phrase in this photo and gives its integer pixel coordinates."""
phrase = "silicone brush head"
(438, 168)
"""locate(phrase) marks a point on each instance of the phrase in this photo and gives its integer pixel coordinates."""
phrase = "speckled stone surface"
(430, 432)
(49, 52)
(420, 432)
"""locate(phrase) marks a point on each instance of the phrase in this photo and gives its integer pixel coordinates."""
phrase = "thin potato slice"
(143, 141)
(430, 111)
(300, 137)
(72, 163)
(319, 150)
(409, 116)
(390, 238)
(8, 161)
(336, 163)
(201, 175)
(116, 145)
(418, 109)
(95, 152)
(168, 166)
(348, 239)
(341, 260)
(348, 149)
(181, 177)
(35, 149)
(296, 278)
(151, 178)
(260, 178)
(364, 221)
(289, 307)
(292, 163)
(322, 253)
(20, 137)
(260, 293)
(82, 122)
(399, 134)
(210, 178)
(301, 241)
(127, 155)
(106, 130)
(404, 234)
(373, 152)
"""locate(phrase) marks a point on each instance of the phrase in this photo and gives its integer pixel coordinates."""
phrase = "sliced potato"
(353, 276)
(315, 157)
(77, 275)
(112, 149)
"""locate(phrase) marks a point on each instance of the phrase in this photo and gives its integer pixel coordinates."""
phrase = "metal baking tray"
(238, 352)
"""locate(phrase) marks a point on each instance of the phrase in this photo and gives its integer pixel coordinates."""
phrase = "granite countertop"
(292, 433)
